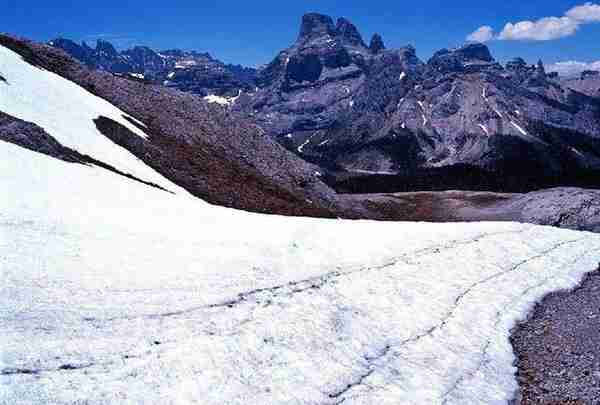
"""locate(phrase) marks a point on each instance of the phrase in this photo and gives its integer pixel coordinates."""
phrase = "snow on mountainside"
(116, 292)
(67, 112)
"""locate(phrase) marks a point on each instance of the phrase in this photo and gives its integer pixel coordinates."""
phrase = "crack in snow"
(498, 316)
(316, 282)
(360, 380)
(446, 319)
(36, 371)
(494, 276)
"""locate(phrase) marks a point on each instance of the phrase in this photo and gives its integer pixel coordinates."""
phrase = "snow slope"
(115, 292)
(66, 111)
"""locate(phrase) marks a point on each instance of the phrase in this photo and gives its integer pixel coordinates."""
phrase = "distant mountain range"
(189, 71)
(382, 120)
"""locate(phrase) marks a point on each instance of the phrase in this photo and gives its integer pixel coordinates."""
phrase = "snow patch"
(425, 121)
(520, 129)
(577, 152)
(67, 112)
(484, 128)
(225, 101)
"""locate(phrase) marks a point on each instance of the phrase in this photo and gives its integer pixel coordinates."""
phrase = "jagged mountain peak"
(376, 45)
(315, 25)
(348, 32)
(106, 47)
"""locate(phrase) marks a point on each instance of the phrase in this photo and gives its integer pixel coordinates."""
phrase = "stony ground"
(558, 349)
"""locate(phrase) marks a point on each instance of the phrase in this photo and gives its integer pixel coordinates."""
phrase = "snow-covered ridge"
(67, 112)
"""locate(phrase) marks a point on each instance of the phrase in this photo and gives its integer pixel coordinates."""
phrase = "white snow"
(484, 128)
(184, 64)
(351, 103)
(577, 152)
(423, 112)
(301, 147)
(66, 111)
(402, 76)
(171, 75)
(212, 98)
(116, 292)
(98, 269)
(325, 142)
(234, 99)
(137, 75)
(519, 128)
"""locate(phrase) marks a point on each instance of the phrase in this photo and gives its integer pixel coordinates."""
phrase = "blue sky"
(252, 32)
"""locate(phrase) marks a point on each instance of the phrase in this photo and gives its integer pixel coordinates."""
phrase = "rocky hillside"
(210, 152)
(461, 116)
(189, 71)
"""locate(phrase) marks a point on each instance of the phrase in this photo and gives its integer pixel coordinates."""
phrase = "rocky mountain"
(189, 71)
(390, 122)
